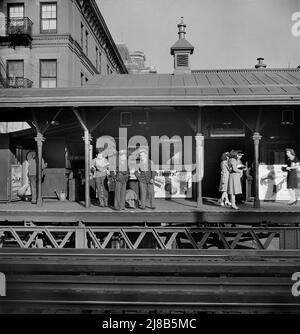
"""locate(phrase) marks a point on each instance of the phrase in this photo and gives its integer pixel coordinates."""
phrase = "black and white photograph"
(149, 160)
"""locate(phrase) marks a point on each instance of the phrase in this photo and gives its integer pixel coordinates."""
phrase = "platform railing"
(134, 238)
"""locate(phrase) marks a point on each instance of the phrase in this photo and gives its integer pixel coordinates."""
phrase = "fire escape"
(15, 32)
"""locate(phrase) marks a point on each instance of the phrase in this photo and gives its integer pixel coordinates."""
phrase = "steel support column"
(39, 140)
(256, 138)
(199, 167)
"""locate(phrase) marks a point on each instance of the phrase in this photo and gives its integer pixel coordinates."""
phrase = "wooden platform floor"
(167, 211)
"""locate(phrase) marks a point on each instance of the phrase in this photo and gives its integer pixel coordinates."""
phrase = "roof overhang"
(153, 100)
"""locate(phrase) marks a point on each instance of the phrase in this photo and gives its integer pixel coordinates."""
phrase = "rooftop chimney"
(181, 51)
(260, 64)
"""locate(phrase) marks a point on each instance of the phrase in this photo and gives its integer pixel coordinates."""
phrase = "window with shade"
(15, 69)
(48, 73)
(49, 18)
(15, 11)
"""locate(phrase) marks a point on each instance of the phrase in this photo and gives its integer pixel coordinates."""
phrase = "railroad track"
(91, 281)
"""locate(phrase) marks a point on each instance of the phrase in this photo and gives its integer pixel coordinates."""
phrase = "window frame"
(97, 58)
(10, 5)
(81, 35)
(11, 61)
(86, 43)
(44, 60)
(41, 19)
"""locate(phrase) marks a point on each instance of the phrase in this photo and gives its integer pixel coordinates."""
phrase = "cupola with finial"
(181, 51)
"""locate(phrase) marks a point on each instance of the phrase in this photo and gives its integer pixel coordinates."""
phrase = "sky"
(225, 33)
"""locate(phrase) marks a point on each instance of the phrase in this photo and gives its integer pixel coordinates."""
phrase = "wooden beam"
(94, 128)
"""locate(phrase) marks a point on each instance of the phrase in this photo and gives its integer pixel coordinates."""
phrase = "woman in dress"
(234, 184)
(224, 180)
(292, 178)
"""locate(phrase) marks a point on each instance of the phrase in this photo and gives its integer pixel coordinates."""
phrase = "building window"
(97, 58)
(15, 69)
(100, 62)
(49, 18)
(82, 34)
(48, 73)
(86, 80)
(81, 78)
(126, 119)
(108, 70)
(15, 11)
(86, 43)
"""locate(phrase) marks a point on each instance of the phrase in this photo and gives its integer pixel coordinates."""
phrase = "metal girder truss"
(141, 237)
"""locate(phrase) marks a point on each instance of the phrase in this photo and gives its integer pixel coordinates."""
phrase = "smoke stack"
(260, 64)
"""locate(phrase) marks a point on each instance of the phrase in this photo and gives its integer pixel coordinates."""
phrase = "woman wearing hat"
(225, 171)
(292, 177)
(234, 184)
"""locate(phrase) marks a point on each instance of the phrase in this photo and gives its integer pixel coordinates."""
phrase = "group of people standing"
(116, 179)
(230, 182)
(232, 171)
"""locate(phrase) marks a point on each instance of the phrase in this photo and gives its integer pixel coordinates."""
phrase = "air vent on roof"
(182, 60)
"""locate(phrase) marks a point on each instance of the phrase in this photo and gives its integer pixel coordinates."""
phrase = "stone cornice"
(97, 24)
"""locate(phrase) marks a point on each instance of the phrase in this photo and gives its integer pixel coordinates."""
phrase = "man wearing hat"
(121, 179)
(145, 176)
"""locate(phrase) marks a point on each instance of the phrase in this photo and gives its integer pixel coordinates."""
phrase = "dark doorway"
(213, 150)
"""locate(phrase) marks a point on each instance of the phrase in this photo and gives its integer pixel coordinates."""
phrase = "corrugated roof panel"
(275, 90)
(161, 91)
(294, 76)
(189, 80)
(210, 91)
(292, 89)
(201, 79)
(226, 91)
(242, 90)
(177, 80)
(239, 79)
(252, 79)
(192, 91)
(260, 90)
(277, 78)
(164, 80)
(214, 79)
(226, 79)
(263, 77)
(178, 91)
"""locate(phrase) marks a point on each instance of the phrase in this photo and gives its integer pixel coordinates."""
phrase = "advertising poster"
(16, 181)
(173, 184)
(273, 183)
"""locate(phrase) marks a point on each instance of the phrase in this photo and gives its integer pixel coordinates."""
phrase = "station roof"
(200, 88)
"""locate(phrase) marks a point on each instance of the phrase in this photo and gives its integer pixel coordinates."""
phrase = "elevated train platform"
(167, 211)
